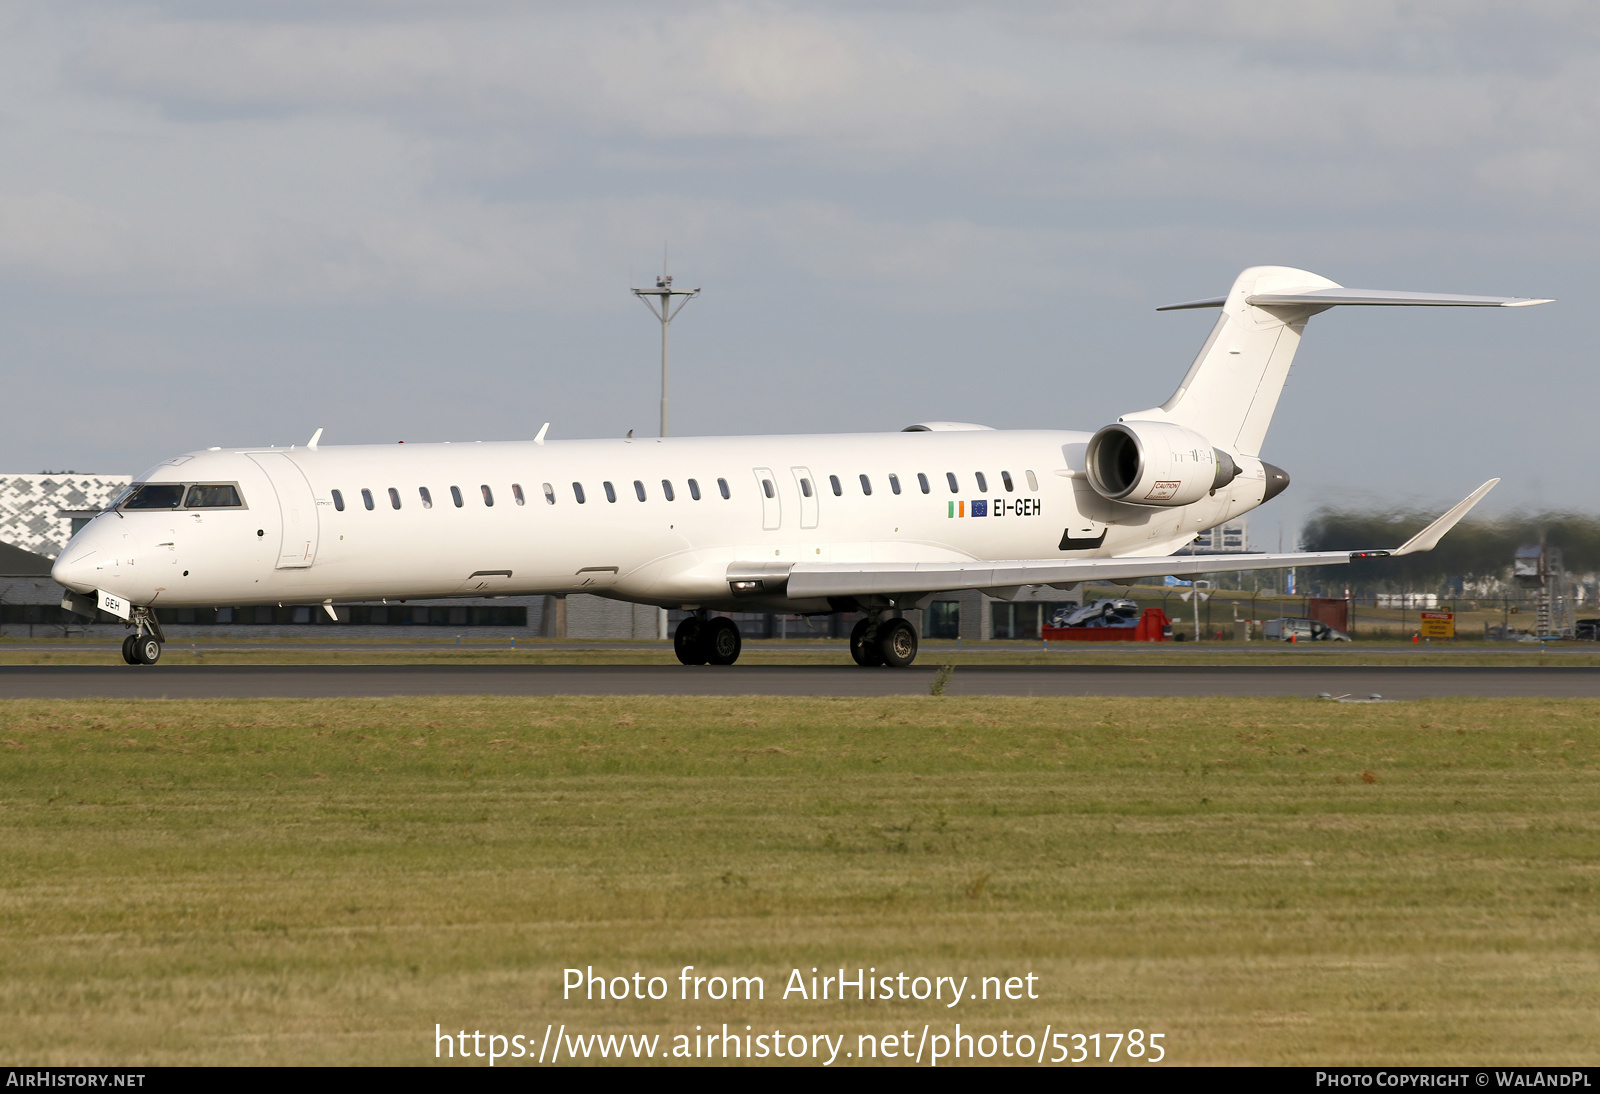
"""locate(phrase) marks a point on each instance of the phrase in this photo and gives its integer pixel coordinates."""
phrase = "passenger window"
(894, 483)
(666, 490)
(638, 489)
(722, 485)
(866, 486)
(549, 494)
(1033, 483)
(694, 489)
(950, 477)
(455, 496)
(338, 501)
(156, 496)
(427, 498)
(577, 491)
(766, 488)
(983, 483)
(212, 497)
(394, 497)
(1005, 477)
(366, 497)
(611, 493)
(805, 487)
(833, 481)
(922, 481)
(488, 495)
(516, 493)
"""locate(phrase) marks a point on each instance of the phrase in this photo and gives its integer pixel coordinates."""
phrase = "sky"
(232, 224)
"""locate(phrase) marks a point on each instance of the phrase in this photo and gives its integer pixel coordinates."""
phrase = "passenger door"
(297, 510)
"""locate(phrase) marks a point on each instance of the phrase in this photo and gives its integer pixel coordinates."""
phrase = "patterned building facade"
(30, 507)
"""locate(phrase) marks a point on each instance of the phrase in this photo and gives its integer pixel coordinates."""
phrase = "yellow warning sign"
(1438, 625)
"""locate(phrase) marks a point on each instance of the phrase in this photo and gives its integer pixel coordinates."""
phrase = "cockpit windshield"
(156, 495)
(121, 497)
(174, 495)
(221, 496)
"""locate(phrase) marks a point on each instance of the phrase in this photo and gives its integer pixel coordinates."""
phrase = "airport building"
(39, 513)
(1230, 538)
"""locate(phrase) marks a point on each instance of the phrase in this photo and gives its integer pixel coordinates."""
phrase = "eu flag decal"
(980, 508)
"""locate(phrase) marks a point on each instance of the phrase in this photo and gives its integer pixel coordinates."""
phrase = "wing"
(807, 580)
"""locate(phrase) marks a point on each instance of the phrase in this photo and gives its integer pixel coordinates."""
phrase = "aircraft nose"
(75, 566)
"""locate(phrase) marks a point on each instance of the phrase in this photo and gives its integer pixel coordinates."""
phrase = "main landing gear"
(891, 642)
(143, 647)
(707, 641)
(703, 639)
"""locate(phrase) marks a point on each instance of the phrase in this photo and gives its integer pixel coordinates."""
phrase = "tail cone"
(1277, 481)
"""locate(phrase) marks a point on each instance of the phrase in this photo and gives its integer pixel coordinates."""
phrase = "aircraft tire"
(863, 650)
(896, 643)
(129, 653)
(723, 641)
(688, 642)
(148, 650)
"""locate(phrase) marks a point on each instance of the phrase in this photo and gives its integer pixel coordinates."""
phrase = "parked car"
(1102, 613)
(1302, 630)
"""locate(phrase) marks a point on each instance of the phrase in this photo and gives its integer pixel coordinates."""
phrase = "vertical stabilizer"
(1232, 388)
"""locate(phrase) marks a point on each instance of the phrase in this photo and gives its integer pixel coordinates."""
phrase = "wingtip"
(1430, 536)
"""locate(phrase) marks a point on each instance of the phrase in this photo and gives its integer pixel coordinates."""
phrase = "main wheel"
(688, 642)
(723, 641)
(897, 643)
(863, 649)
(129, 653)
(148, 650)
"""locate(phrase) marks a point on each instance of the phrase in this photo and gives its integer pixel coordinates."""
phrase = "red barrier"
(1152, 627)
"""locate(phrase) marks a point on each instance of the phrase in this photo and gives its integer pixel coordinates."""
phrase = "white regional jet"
(806, 524)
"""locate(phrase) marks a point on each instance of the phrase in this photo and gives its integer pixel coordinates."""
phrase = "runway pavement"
(328, 681)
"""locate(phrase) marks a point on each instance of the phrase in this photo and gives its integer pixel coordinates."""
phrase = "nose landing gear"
(876, 641)
(143, 647)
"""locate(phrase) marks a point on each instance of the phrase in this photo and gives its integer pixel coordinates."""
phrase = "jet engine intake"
(1156, 463)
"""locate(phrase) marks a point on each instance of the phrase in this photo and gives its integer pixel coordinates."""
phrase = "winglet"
(315, 437)
(542, 431)
(1430, 536)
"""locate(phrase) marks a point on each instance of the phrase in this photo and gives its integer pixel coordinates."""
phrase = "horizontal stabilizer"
(1208, 302)
(1390, 298)
(815, 580)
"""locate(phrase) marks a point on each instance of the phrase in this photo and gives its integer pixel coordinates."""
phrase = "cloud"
(501, 155)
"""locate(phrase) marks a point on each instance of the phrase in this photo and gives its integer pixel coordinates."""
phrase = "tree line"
(1475, 548)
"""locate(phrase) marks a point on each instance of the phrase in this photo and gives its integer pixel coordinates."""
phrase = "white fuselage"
(293, 543)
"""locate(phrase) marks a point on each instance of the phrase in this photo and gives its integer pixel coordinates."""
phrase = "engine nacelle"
(1156, 463)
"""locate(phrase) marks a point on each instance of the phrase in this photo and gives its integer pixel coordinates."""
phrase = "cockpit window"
(213, 497)
(156, 495)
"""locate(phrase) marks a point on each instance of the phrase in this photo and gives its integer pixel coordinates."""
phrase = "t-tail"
(1232, 388)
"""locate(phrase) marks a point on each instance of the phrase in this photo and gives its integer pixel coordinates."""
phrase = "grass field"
(1262, 881)
(815, 652)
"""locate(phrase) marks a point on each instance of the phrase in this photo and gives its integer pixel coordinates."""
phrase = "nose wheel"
(141, 649)
(143, 646)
